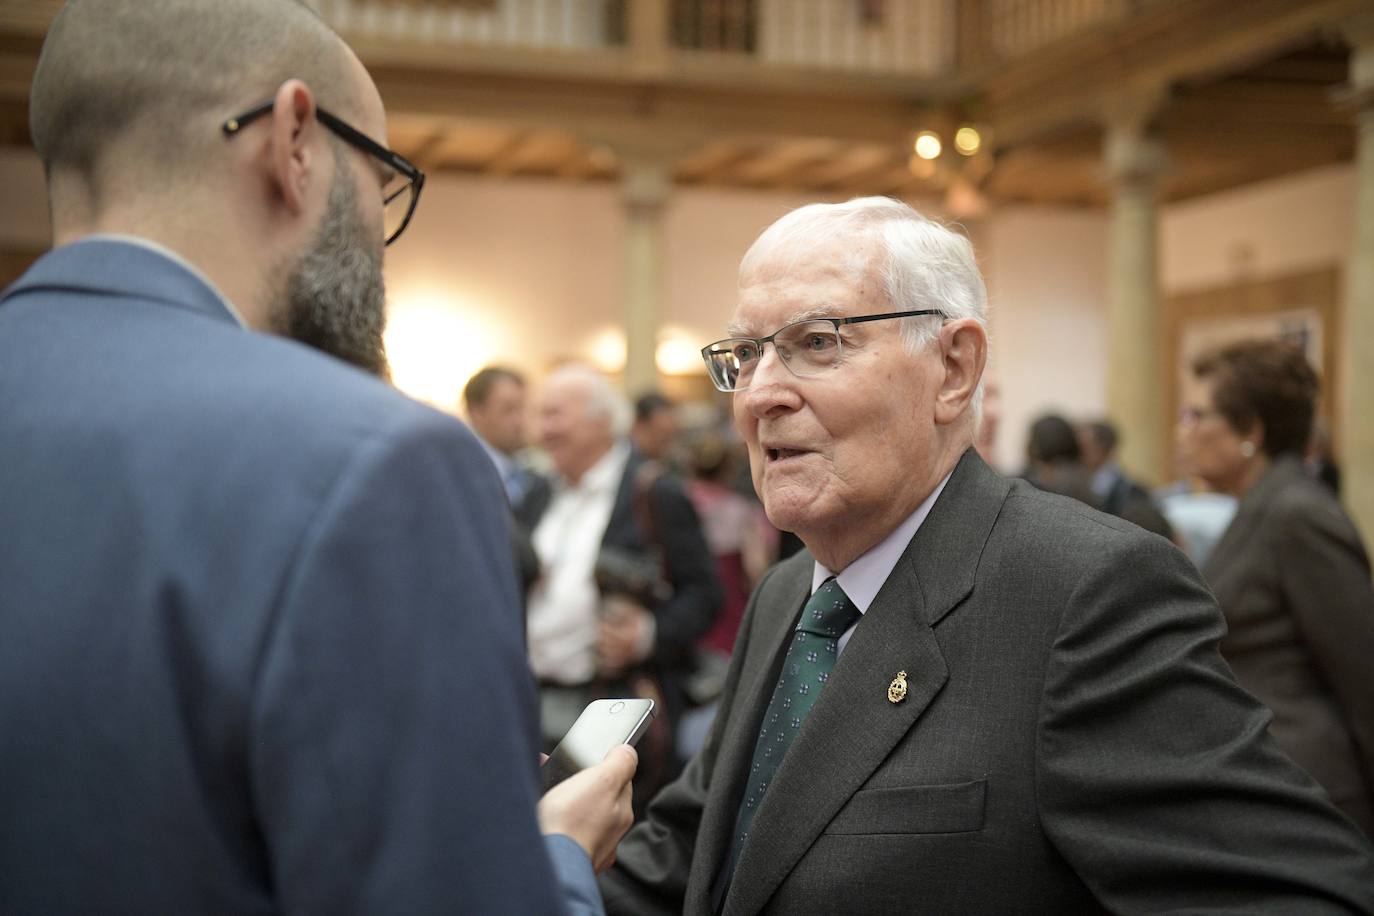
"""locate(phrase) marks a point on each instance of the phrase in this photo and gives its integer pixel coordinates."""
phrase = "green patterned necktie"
(810, 658)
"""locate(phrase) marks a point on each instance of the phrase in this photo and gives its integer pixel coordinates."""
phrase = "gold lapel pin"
(896, 691)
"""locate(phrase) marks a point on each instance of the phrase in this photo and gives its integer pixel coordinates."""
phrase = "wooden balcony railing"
(567, 25)
(911, 37)
(1011, 28)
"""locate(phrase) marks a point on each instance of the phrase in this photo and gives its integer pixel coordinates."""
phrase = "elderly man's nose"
(770, 363)
(770, 387)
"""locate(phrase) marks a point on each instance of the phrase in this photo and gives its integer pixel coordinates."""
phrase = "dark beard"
(335, 297)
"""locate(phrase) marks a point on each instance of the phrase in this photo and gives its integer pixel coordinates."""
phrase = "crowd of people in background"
(276, 638)
(1258, 515)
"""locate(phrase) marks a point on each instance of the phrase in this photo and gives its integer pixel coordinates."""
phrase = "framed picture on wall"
(1301, 327)
(1303, 309)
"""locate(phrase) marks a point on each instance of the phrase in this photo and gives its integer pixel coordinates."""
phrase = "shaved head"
(134, 90)
(127, 109)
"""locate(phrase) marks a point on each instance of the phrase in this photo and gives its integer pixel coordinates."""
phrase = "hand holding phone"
(593, 807)
(600, 727)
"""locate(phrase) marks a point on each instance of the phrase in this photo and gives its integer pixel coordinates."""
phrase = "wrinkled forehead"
(809, 279)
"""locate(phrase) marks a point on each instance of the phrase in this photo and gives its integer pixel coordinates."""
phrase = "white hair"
(603, 400)
(921, 264)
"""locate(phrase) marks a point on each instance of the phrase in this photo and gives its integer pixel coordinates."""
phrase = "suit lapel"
(854, 726)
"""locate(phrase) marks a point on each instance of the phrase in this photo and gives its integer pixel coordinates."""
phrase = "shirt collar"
(605, 474)
(1105, 478)
(862, 579)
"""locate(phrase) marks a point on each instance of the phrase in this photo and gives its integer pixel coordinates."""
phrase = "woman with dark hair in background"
(1290, 572)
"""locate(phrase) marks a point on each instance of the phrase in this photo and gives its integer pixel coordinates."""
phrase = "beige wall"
(516, 272)
(1046, 273)
(1047, 278)
(1292, 224)
(530, 271)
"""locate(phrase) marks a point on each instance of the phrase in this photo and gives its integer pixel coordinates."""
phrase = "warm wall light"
(678, 355)
(607, 351)
(434, 349)
(967, 140)
(928, 145)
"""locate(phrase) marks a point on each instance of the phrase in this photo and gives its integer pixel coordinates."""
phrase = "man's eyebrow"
(818, 311)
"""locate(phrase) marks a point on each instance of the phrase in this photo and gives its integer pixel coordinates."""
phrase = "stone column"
(1357, 384)
(1135, 379)
(645, 185)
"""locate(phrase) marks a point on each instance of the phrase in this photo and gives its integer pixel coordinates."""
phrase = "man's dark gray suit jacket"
(1292, 579)
(260, 646)
(1070, 742)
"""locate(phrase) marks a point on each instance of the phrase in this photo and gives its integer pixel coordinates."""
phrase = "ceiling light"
(928, 145)
(967, 140)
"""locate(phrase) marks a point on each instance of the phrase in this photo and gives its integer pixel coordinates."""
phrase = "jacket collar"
(123, 267)
(1253, 506)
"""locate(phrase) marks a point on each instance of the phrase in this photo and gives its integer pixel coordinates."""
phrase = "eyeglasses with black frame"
(808, 348)
(402, 180)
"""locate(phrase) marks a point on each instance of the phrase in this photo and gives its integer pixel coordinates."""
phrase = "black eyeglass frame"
(709, 349)
(349, 134)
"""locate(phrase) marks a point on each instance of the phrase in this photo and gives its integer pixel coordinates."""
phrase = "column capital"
(1132, 158)
(1133, 109)
(1131, 152)
(646, 163)
(645, 185)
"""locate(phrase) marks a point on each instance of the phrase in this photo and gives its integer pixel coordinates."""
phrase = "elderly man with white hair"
(966, 695)
(609, 511)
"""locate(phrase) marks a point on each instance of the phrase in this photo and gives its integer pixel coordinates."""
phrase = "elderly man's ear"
(964, 352)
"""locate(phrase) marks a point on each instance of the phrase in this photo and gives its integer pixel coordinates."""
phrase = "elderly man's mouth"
(784, 454)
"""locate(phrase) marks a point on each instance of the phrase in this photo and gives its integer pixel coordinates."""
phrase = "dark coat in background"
(688, 565)
(1293, 580)
(1070, 742)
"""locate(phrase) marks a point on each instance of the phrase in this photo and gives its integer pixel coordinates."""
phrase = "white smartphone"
(600, 727)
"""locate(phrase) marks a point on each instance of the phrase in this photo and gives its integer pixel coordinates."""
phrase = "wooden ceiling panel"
(714, 161)
(1250, 95)
(780, 165)
(851, 165)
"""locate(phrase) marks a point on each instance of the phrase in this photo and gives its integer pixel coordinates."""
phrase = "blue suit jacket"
(260, 644)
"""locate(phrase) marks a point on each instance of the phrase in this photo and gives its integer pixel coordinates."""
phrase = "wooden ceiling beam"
(1164, 45)
(507, 158)
(426, 154)
(846, 168)
(593, 109)
(719, 160)
(788, 159)
(864, 180)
